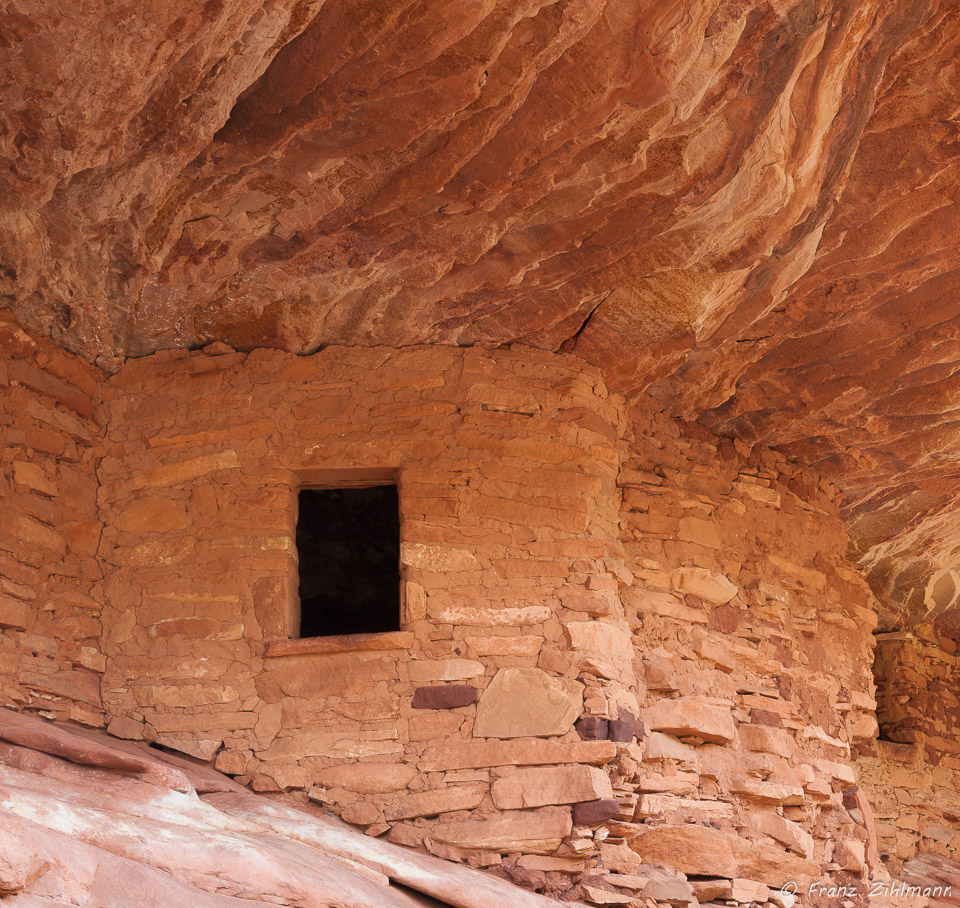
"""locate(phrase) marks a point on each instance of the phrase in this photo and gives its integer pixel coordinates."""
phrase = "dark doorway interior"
(348, 542)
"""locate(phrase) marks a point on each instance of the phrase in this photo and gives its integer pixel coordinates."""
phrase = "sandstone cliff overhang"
(746, 207)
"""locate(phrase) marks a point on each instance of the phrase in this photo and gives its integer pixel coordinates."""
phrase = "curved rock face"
(855, 367)
(742, 205)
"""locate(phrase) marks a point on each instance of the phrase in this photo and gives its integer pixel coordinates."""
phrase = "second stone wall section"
(912, 773)
(756, 645)
(50, 429)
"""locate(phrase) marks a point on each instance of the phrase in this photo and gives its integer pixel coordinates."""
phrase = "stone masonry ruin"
(528, 436)
(621, 639)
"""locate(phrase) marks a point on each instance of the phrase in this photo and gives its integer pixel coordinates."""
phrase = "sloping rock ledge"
(89, 820)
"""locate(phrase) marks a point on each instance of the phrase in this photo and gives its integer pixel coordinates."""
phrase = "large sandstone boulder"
(703, 851)
(527, 702)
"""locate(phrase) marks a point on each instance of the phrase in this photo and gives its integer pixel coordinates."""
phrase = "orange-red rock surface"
(748, 203)
(89, 820)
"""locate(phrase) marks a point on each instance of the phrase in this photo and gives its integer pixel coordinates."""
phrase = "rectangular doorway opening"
(348, 543)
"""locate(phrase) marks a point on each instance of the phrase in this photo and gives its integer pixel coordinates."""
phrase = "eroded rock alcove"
(648, 312)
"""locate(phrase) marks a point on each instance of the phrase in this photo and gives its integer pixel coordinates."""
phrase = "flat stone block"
(451, 696)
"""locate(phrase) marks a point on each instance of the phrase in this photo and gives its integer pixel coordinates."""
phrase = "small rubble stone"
(593, 728)
(626, 727)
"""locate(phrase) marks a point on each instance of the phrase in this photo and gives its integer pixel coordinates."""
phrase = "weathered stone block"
(703, 851)
(187, 470)
(232, 762)
(316, 676)
(519, 645)
(436, 558)
(153, 515)
(367, 778)
(196, 629)
(692, 717)
(32, 477)
(201, 748)
(538, 831)
(444, 670)
(600, 639)
(783, 830)
(361, 813)
(515, 753)
(125, 727)
(14, 613)
(434, 726)
(436, 801)
(593, 813)
(597, 896)
(593, 728)
(763, 739)
(704, 584)
(543, 785)
(626, 727)
(766, 792)
(276, 606)
(619, 858)
(699, 531)
(521, 702)
(494, 617)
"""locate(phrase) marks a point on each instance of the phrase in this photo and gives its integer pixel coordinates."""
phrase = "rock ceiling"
(747, 207)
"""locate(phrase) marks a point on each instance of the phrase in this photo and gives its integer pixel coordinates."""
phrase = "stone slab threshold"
(341, 643)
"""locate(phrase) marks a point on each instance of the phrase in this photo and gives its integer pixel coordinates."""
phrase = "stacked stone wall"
(918, 698)
(49, 529)
(755, 639)
(624, 643)
(916, 804)
(620, 637)
(912, 773)
(512, 628)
